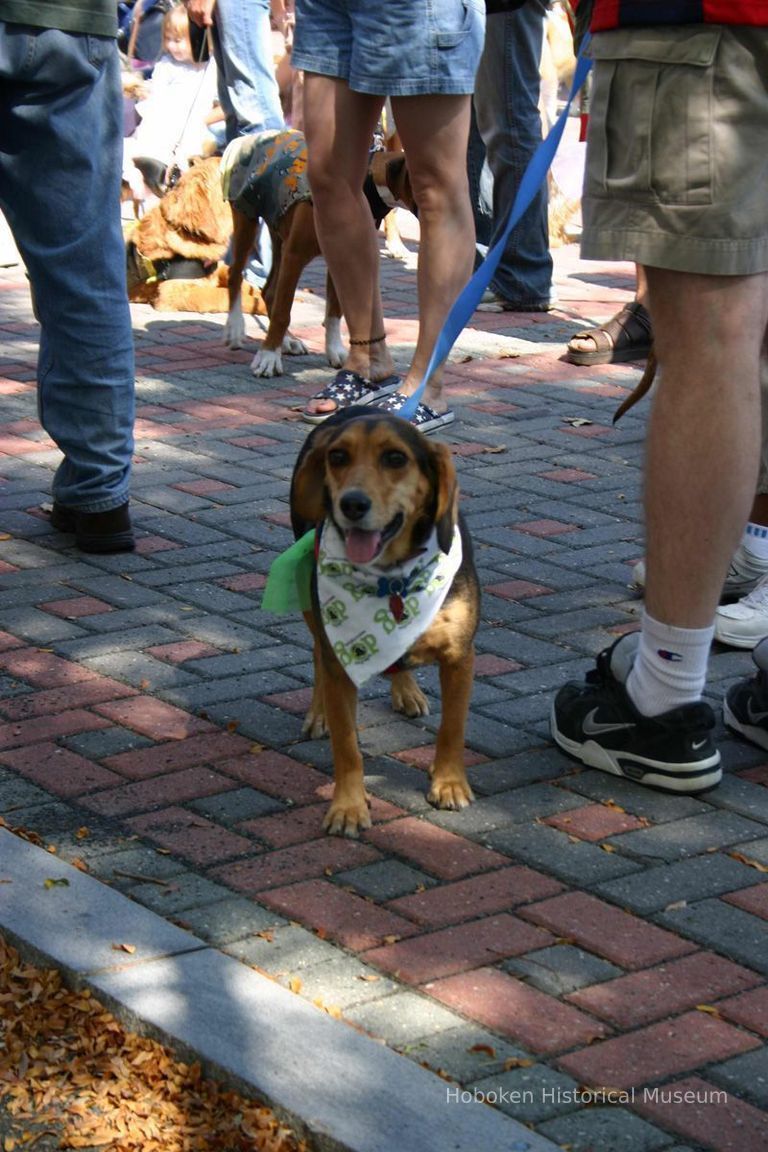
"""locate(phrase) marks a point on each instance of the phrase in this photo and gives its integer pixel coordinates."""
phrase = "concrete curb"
(341, 1089)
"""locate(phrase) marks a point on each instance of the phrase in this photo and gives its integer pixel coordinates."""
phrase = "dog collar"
(371, 615)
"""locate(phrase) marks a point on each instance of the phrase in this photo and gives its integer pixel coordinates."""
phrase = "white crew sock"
(755, 540)
(670, 667)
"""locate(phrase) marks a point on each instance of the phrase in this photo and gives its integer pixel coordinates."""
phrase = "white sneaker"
(744, 574)
(744, 624)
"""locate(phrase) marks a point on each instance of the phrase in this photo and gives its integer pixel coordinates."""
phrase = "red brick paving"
(750, 1009)
(437, 954)
(658, 1051)
(172, 755)
(60, 771)
(76, 607)
(49, 727)
(337, 914)
(183, 651)
(155, 719)
(190, 836)
(277, 775)
(594, 822)
(639, 998)
(280, 829)
(723, 1125)
(442, 853)
(753, 900)
(286, 866)
(623, 939)
(90, 693)
(479, 896)
(43, 669)
(145, 795)
(515, 1010)
(517, 590)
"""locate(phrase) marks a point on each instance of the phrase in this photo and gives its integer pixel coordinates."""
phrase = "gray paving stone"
(466, 1053)
(746, 1076)
(85, 646)
(561, 969)
(182, 891)
(754, 850)
(287, 950)
(506, 809)
(257, 721)
(531, 1094)
(204, 570)
(36, 627)
(16, 793)
(340, 984)
(141, 671)
(546, 848)
(197, 694)
(232, 808)
(722, 927)
(124, 866)
(403, 1018)
(607, 1129)
(105, 742)
(655, 806)
(690, 837)
(384, 880)
(690, 880)
(229, 919)
(530, 766)
(248, 660)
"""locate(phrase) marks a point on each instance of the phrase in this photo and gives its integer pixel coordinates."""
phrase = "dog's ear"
(446, 494)
(308, 483)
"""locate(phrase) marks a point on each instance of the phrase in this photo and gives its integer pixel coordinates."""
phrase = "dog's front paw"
(292, 346)
(452, 792)
(407, 697)
(267, 362)
(347, 817)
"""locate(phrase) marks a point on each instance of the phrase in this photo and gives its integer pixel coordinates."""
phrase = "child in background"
(176, 113)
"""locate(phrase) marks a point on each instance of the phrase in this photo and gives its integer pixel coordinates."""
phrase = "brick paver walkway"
(569, 930)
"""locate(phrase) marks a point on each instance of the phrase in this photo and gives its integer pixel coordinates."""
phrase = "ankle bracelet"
(373, 340)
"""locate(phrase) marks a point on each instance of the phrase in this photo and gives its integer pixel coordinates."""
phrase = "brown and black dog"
(264, 178)
(384, 502)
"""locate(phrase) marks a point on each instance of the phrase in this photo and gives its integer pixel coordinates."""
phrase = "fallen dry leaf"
(71, 1067)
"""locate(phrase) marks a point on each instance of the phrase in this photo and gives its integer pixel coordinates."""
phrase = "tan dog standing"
(394, 587)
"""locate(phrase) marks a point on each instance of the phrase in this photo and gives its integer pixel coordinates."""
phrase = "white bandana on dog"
(371, 615)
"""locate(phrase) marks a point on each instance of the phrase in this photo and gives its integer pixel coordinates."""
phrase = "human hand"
(200, 12)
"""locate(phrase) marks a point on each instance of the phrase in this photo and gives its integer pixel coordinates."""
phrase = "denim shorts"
(400, 48)
(677, 154)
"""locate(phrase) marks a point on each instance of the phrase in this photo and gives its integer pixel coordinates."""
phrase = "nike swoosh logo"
(699, 744)
(755, 717)
(591, 727)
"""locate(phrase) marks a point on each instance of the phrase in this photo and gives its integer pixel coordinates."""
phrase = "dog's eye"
(338, 457)
(394, 458)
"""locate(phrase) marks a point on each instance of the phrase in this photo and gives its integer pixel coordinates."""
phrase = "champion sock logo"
(665, 654)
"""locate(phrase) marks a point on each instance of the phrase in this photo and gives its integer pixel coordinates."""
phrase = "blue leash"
(533, 177)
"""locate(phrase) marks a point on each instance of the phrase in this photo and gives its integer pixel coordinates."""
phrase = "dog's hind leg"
(450, 787)
(243, 240)
(314, 724)
(334, 345)
(407, 697)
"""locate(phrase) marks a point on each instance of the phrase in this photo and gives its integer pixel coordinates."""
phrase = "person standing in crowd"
(677, 164)
(242, 48)
(506, 103)
(61, 149)
(425, 56)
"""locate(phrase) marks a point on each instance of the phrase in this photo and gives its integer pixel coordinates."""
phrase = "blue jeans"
(61, 148)
(507, 109)
(242, 46)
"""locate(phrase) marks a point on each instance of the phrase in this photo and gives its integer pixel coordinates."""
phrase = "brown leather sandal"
(626, 336)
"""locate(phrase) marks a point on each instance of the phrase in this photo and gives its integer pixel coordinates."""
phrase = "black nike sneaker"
(745, 708)
(598, 724)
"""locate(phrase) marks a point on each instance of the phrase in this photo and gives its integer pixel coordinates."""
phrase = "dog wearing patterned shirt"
(264, 178)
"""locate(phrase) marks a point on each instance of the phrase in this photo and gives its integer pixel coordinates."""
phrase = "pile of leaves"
(69, 1069)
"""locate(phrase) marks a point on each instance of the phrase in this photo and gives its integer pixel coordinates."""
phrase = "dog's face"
(381, 482)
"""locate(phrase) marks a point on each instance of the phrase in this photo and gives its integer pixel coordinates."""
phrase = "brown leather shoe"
(96, 531)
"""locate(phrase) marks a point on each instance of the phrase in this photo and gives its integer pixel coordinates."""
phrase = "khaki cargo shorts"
(677, 156)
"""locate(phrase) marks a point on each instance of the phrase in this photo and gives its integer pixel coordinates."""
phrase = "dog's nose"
(354, 504)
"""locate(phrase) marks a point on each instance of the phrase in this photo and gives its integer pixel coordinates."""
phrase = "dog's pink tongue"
(361, 546)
